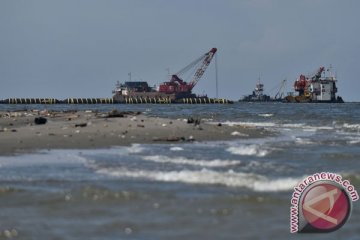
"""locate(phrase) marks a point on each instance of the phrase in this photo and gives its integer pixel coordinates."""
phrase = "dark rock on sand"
(40, 120)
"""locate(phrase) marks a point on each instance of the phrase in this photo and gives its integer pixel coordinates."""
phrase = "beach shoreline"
(92, 130)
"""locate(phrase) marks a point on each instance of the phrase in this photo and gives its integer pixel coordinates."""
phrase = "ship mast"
(216, 77)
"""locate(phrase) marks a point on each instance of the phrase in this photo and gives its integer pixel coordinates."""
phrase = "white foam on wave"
(303, 141)
(351, 126)
(176, 149)
(186, 176)
(135, 148)
(321, 127)
(230, 178)
(249, 124)
(283, 126)
(236, 133)
(307, 128)
(193, 162)
(276, 185)
(293, 125)
(353, 140)
(265, 114)
(248, 150)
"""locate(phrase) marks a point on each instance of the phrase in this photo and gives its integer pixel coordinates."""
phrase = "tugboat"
(259, 96)
(316, 87)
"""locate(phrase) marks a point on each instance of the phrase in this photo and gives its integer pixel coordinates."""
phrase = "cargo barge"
(316, 88)
(176, 90)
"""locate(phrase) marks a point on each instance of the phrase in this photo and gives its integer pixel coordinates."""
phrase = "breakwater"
(129, 100)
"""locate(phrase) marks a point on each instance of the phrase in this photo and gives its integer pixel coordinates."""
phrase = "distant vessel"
(316, 87)
(174, 89)
(259, 96)
(142, 90)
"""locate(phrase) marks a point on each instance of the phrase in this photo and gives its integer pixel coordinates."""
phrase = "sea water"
(237, 189)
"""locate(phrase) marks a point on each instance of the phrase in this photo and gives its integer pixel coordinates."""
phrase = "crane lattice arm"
(317, 74)
(197, 67)
(206, 59)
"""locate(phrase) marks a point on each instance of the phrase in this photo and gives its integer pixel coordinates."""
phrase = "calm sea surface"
(211, 190)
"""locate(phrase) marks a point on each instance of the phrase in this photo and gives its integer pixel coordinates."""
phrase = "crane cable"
(191, 65)
(280, 86)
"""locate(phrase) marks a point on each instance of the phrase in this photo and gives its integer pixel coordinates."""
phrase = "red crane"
(178, 85)
(301, 83)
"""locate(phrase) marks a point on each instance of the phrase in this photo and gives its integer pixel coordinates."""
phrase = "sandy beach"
(87, 129)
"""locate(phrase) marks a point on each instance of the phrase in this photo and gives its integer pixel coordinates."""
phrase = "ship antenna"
(259, 78)
(332, 75)
(168, 73)
(216, 77)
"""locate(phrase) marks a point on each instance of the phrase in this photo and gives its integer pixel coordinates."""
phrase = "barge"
(317, 87)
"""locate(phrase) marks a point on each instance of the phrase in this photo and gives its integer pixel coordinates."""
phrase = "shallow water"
(212, 190)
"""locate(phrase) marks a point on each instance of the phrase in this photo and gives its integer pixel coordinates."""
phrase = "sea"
(238, 189)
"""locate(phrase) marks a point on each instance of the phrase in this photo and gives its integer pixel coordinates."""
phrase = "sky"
(80, 48)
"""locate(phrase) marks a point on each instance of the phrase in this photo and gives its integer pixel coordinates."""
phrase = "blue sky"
(80, 48)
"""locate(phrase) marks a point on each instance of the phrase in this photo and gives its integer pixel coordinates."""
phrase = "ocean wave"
(135, 148)
(176, 149)
(236, 133)
(230, 178)
(8, 190)
(248, 150)
(193, 162)
(276, 185)
(320, 127)
(352, 176)
(354, 141)
(351, 126)
(53, 157)
(293, 125)
(278, 125)
(249, 124)
(307, 128)
(265, 114)
(303, 141)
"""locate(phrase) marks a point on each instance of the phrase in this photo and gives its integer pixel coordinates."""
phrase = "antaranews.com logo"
(321, 203)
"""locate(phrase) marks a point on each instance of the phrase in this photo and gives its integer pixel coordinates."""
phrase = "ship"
(258, 94)
(176, 89)
(318, 87)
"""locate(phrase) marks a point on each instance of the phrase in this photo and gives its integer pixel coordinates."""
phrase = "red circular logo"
(326, 206)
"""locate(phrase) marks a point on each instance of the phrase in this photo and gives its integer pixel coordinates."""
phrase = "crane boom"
(316, 75)
(303, 82)
(178, 85)
(205, 63)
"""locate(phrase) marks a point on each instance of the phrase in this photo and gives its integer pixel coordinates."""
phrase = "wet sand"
(87, 129)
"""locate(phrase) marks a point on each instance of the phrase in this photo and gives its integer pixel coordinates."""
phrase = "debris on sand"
(81, 125)
(194, 121)
(115, 114)
(40, 120)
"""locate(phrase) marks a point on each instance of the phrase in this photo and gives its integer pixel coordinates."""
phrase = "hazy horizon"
(81, 48)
